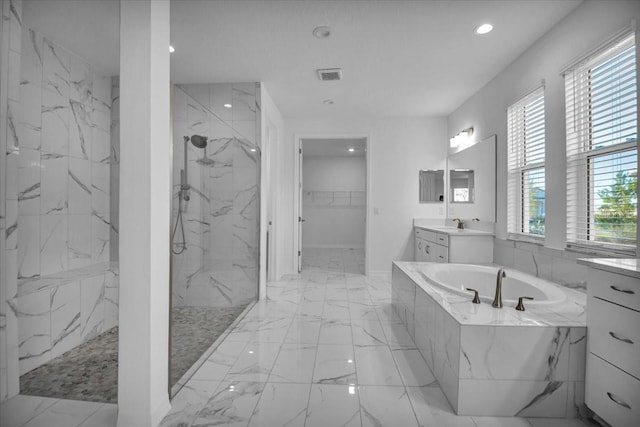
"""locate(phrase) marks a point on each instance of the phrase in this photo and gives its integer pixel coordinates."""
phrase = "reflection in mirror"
(431, 186)
(462, 185)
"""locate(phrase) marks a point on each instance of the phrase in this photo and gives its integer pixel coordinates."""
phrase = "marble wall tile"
(11, 175)
(100, 233)
(81, 81)
(30, 116)
(100, 189)
(80, 241)
(65, 318)
(101, 117)
(245, 130)
(11, 224)
(34, 330)
(80, 130)
(32, 57)
(92, 293)
(53, 244)
(54, 184)
(54, 136)
(28, 247)
(29, 182)
(244, 101)
(198, 92)
(80, 186)
(101, 148)
(13, 76)
(15, 25)
(110, 307)
(577, 353)
(221, 94)
(55, 69)
(101, 91)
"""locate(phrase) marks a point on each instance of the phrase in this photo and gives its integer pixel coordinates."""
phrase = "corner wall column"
(145, 171)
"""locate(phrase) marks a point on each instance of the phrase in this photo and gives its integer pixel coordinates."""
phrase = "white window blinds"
(602, 158)
(525, 163)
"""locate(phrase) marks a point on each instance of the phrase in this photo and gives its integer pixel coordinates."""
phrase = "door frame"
(296, 198)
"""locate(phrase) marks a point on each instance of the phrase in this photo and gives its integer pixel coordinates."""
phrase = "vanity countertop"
(453, 231)
(626, 266)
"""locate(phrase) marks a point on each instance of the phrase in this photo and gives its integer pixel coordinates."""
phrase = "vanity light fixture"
(461, 139)
(171, 49)
(227, 105)
(321, 32)
(483, 29)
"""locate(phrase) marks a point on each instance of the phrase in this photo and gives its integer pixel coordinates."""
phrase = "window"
(526, 186)
(602, 152)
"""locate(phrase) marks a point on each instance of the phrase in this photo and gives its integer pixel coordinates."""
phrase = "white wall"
(272, 125)
(341, 223)
(397, 148)
(588, 25)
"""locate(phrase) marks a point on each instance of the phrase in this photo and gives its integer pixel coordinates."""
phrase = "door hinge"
(299, 253)
(300, 150)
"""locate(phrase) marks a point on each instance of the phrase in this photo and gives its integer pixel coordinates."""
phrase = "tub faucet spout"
(497, 300)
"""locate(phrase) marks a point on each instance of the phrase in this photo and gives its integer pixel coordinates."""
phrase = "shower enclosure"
(215, 216)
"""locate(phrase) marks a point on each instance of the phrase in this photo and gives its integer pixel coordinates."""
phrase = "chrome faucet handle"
(520, 305)
(476, 298)
(460, 223)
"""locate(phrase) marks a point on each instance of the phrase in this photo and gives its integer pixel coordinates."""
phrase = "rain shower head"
(199, 141)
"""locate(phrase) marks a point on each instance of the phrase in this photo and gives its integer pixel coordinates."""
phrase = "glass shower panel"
(215, 216)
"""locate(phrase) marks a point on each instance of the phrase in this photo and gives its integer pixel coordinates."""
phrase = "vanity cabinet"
(613, 358)
(466, 246)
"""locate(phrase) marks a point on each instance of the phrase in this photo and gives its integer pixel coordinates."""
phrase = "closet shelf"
(333, 198)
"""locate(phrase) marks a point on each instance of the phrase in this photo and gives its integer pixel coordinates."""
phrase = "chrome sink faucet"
(497, 300)
(460, 223)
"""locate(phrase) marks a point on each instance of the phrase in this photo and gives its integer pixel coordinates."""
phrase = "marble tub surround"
(219, 267)
(496, 362)
(64, 127)
(59, 312)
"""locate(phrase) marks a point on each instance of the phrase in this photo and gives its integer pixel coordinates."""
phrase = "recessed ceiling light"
(227, 105)
(483, 29)
(351, 150)
(328, 102)
(321, 32)
(252, 149)
(171, 49)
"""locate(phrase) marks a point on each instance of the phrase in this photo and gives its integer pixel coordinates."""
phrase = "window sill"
(526, 238)
(600, 252)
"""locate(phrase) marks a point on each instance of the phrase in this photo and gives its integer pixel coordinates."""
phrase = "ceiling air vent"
(330, 74)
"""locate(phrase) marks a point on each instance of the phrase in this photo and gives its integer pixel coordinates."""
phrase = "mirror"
(461, 184)
(431, 186)
(472, 181)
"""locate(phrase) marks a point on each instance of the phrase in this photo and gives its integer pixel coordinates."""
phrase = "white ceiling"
(399, 58)
(318, 147)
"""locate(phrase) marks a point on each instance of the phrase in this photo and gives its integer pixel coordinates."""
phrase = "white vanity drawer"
(614, 334)
(442, 239)
(442, 253)
(623, 290)
(425, 234)
(612, 394)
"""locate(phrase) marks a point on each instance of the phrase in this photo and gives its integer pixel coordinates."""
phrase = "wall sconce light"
(462, 139)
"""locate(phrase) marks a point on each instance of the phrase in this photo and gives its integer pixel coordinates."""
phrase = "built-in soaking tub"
(489, 361)
(456, 278)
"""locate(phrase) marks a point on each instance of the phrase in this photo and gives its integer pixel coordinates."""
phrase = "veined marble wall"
(219, 266)
(10, 51)
(65, 152)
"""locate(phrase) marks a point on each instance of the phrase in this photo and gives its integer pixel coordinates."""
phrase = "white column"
(145, 170)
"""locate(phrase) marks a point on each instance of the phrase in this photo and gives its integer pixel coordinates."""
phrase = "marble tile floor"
(323, 349)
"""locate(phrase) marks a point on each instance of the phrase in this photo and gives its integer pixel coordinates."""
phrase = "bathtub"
(496, 362)
(456, 278)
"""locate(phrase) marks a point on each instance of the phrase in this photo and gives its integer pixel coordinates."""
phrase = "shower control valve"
(476, 298)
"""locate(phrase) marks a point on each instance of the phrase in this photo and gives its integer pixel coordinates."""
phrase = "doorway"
(332, 204)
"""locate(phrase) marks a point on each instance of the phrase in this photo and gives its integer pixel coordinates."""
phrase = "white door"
(300, 218)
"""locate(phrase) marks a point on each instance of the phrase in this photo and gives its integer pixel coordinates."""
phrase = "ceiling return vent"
(329, 74)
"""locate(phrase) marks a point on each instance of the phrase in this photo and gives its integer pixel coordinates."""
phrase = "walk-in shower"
(215, 217)
(184, 195)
